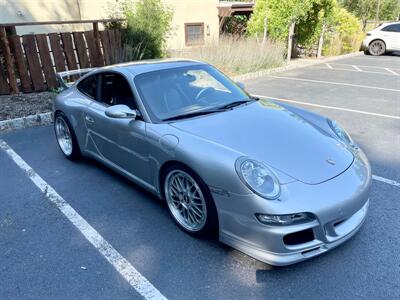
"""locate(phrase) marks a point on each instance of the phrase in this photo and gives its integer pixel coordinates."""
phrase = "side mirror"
(120, 112)
(240, 84)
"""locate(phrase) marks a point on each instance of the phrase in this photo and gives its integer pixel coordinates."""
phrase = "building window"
(194, 34)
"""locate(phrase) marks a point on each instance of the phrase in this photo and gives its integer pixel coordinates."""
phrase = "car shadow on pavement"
(141, 194)
(397, 53)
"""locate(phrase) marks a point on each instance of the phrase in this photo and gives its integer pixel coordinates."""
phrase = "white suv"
(384, 38)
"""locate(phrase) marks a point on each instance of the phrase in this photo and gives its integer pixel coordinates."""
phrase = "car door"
(120, 143)
(391, 35)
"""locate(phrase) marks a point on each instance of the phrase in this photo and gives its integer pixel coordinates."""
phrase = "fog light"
(284, 220)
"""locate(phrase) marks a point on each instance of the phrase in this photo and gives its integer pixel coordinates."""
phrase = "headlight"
(259, 178)
(342, 134)
(282, 220)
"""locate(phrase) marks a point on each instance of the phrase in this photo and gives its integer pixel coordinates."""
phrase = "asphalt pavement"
(43, 255)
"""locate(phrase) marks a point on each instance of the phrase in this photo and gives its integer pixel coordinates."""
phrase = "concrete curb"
(26, 122)
(295, 65)
(47, 118)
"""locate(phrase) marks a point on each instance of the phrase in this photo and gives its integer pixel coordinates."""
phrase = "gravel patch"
(22, 105)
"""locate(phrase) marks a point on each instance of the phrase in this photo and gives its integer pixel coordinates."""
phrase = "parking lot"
(90, 233)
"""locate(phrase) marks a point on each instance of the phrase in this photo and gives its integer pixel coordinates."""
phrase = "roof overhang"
(228, 9)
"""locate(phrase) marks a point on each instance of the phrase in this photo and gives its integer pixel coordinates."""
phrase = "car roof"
(388, 23)
(145, 66)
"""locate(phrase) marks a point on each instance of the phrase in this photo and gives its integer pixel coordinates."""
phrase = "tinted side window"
(392, 28)
(115, 89)
(88, 86)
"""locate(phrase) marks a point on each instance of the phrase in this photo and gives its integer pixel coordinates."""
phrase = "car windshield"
(187, 91)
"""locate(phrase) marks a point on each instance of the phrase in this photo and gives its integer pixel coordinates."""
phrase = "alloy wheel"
(377, 48)
(185, 200)
(63, 135)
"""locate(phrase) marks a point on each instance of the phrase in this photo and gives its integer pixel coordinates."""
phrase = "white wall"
(185, 11)
(193, 11)
(12, 11)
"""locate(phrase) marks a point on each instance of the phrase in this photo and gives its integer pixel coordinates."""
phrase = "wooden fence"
(28, 63)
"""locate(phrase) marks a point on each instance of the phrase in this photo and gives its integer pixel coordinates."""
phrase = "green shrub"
(344, 33)
(123, 51)
(147, 26)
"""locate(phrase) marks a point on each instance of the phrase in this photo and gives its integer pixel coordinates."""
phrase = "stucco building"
(194, 21)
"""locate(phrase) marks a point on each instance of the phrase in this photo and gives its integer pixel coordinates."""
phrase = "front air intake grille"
(299, 237)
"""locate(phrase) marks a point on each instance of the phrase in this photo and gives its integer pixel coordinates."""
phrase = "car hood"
(276, 136)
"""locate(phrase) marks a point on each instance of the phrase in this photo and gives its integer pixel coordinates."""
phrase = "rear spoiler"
(68, 78)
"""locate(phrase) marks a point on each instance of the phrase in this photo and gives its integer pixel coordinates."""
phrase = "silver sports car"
(276, 182)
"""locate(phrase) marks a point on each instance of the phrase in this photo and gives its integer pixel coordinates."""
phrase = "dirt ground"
(22, 105)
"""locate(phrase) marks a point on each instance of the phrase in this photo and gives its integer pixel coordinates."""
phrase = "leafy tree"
(342, 29)
(307, 14)
(308, 28)
(367, 9)
(389, 10)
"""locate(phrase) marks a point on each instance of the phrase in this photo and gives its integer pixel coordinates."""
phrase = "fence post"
(9, 61)
(321, 41)
(96, 36)
(290, 42)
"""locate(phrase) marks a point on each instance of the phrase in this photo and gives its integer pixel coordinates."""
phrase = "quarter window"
(194, 33)
(88, 86)
(116, 90)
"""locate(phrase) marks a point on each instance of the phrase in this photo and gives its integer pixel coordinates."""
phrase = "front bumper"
(303, 251)
(340, 206)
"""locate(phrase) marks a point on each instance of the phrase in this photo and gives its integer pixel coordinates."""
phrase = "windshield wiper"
(206, 112)
(191, 115)
(236, 103)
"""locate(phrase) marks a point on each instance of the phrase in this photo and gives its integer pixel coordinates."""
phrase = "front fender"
(213, 162)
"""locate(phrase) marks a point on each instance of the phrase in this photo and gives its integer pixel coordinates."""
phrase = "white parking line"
(351, 70)
(362, 66)
(357, 68)
(335, 83)
(134, 278)
(330, 107)
(329, 66)
(374, 58)
(391, 71)
(385, 180)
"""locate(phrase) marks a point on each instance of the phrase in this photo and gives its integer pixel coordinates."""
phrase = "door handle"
(89, 119)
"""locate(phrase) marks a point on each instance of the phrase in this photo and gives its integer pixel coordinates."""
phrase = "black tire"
(75, 153)
(377, 48)
(210, 228)
(366, 52)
